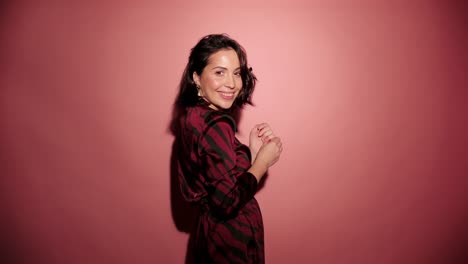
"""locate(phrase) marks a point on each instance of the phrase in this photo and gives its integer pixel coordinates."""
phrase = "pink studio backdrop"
(369, 99)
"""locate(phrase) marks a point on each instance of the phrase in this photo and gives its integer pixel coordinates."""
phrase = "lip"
(227, 95)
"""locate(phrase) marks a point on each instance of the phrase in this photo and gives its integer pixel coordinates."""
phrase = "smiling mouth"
(228, 96)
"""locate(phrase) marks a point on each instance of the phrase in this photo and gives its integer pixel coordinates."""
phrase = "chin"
(224, 105)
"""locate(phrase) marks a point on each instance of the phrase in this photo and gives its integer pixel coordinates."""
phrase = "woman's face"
(220, 81)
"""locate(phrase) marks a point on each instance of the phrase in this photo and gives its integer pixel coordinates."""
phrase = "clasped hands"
(264, 145)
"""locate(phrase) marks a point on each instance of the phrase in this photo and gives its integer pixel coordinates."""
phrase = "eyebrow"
(224, 68)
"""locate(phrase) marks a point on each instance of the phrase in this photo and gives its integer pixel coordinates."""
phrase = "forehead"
(224, 57)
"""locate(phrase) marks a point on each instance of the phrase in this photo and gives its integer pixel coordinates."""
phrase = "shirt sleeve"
(229, 188)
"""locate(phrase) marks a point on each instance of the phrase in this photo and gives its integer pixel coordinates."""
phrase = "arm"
(229, 188)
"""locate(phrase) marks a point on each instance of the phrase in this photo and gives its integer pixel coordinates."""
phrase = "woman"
(215, 170)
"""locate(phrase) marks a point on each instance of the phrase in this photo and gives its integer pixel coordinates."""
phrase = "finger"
(279, 146)
(267, 139)
(275, 140)
(280, 143)
(255, 130)
(270, 137)
(265, 132)
(262, 126)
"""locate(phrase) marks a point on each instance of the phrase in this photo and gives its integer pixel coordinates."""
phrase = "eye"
(237, 74)
(219, 72)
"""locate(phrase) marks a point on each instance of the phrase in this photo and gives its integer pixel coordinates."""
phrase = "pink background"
(370, 99)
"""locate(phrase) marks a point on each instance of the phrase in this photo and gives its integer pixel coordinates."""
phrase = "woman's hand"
(270, 152)
(259, 135)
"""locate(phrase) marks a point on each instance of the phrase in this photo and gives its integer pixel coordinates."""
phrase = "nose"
(230, 83)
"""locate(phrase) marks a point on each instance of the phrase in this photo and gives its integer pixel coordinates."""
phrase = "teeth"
(227, 94)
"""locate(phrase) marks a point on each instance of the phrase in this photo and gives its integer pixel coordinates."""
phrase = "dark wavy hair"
(198, 59)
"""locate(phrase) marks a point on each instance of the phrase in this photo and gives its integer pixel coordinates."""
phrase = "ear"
(196, 78)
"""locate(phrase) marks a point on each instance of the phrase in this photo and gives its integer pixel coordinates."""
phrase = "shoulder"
(204, 119)
(218, 134)
(217, 118)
